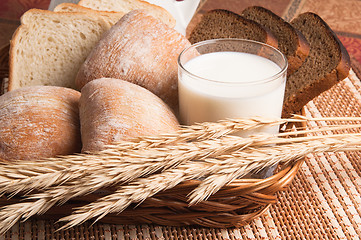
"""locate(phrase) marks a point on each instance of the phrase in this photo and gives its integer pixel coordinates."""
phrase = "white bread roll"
(39, 122)
(112, 110)
(139, 49)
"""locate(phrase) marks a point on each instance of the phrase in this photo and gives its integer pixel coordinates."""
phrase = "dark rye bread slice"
(220, 23)
(327, 63)
(290, 41)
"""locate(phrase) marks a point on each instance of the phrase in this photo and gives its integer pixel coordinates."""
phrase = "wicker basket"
(232, 206)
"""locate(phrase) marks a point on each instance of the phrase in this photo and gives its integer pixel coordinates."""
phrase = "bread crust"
(296, 99)
(298, 58)
(294, 45)
(39, 122)
(12, 59)
(153, 9)
(110, 17)
(139, 49)
(212, 26)
(112, 110)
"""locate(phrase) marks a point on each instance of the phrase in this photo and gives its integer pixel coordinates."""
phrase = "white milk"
(230, 85)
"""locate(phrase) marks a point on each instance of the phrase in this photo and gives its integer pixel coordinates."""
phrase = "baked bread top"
(39, 122)
(220, 23)
(130, 5)
(110, 17)
(290, 41)
(139, 49)
(327, 63)
(113, 110)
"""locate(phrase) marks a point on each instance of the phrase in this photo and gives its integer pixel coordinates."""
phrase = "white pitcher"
(181, 10)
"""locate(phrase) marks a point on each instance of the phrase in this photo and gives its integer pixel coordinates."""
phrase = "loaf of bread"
(327, 63)
(49, 47)
(290, 41)
(110, 17)
(139, 49)
(220, 23)
(130, 5)
(39, 122)
(112, 110)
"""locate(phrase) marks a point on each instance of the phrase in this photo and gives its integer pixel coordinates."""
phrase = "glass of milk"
(231, 78)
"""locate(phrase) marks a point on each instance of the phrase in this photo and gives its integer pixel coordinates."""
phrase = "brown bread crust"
(327, 64)
(221, 23)
(39, 122)
(139, 49)
(112, 110)
(290, 41)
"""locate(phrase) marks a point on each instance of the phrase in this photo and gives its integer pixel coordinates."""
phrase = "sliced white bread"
(110, 17)
(129, 5)
(49, 47)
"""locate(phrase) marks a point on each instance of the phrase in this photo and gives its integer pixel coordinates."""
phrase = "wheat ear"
(26, 177)
(139, 163)
(40, 174)
(111, 172)
(221, 171)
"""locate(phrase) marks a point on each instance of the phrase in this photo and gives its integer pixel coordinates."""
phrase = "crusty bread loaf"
(49, 47)
(139, 49)
(327, 63)
(110, 17)
(220, 23)
(130, 5)
(112, 110)
(290, 41)
(38, 122)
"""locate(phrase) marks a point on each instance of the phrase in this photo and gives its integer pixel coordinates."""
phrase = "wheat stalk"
(41, 174)
(73, 178)
(221, 171)
(28, 176)
(139, 163)
(110, 172)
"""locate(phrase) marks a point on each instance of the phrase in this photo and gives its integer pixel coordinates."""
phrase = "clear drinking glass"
(230, 78)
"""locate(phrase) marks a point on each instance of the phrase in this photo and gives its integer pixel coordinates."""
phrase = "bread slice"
(290, 41)
(327, 63)
(129, 5)
(49, 47)
(220, 23)
(110, 17)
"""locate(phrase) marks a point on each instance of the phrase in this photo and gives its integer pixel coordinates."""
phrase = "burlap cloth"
(323, 201)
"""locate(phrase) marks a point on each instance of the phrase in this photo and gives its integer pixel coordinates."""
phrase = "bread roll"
(39, 122)
(112, 110)
(139, 49)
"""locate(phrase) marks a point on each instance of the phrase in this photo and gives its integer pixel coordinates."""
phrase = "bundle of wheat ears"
(143, 167)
